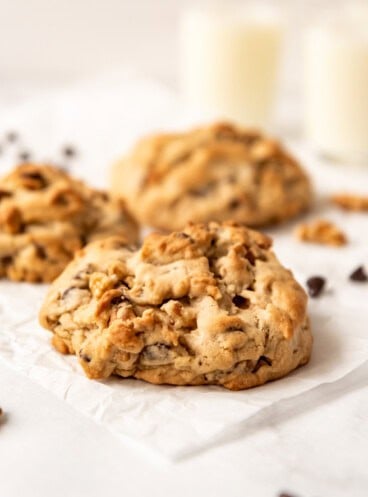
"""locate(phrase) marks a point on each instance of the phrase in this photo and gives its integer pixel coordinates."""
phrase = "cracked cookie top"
(209, 304)
(46, 215)
(212, 173)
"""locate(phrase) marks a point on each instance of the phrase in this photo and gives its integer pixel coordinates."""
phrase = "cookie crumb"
(350, 202)
(359, 274)
(322, 232)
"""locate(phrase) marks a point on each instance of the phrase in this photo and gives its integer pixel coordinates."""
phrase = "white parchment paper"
(102, 118)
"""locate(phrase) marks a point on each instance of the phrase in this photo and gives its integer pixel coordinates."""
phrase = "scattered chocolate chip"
(182, 235)
(85, 357)
(359, 274)
(24, 156)
(241, 302)
(315, 285)
(283, 494)
(12, 136)
(69, 151)
(262, 361)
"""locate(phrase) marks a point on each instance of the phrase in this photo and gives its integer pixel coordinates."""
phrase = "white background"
(64, 39)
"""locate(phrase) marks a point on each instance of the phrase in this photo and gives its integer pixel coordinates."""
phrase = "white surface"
(312, 445)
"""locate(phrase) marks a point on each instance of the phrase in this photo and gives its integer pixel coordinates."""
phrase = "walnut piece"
(350, 202)
(322, 232)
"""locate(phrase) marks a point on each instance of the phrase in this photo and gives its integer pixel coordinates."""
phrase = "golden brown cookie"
(46, 215)
(208, 305)
(213, 173)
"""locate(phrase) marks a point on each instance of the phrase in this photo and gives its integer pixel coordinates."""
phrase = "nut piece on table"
(322, 232)
(350, 202)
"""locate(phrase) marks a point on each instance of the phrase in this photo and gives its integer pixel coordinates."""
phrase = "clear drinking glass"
(229, 60)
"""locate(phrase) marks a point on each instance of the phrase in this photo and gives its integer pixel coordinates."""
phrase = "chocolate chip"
(69, 151)
(250, 257)
(24, 156)
(5, 194)
(262, 361)
(315, 285)
(83, 240)
(283, 494)
(117, 300)
(85, 357)
(233, 328)
(62, 198)
(40, 251)
(234, 204)
(6, 260)
(12, 136)
(359, 274)
(241, 302)
(37, 181)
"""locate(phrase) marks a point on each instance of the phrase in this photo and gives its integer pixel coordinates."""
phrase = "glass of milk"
(336, 85)
(229, 60)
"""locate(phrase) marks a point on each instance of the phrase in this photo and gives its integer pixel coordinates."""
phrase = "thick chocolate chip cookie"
(213, 173)
(207, 305)
(46, 215)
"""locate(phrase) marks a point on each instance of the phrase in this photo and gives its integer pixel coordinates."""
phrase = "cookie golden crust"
(46, 215)
(213, 173)
(208, 305)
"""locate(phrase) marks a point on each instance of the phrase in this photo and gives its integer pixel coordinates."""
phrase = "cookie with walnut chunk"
(46, 215)
(208, 305)
(212, 173)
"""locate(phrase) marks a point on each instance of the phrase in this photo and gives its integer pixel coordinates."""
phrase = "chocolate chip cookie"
(213, 173)
(207, 305)
(46, 215)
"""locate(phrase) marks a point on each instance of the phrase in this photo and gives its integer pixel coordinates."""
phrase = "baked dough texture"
(207, 305)
(46, 215)
(213, 173)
